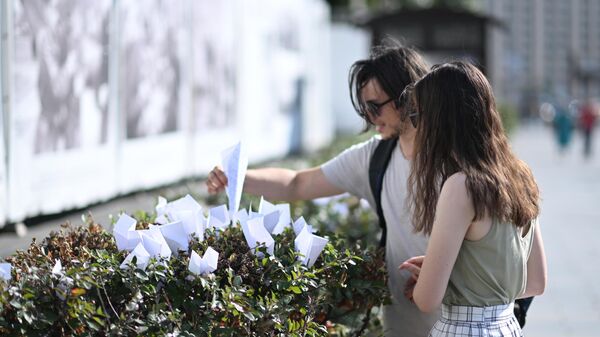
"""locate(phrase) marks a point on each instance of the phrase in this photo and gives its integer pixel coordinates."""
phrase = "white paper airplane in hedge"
(218, 217)
(309, 245)
(57, 269)
(154, 243)
(187, 210)
(235, 165)
(299, 224)
(125, 234)
(176, 236)
(142, 257)
(257, 235)
(205, 264)
(277, 217)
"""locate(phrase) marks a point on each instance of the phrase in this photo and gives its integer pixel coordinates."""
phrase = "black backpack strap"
(377, 166)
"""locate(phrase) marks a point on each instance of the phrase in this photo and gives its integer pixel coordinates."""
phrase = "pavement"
(570, 222)
(570, 219)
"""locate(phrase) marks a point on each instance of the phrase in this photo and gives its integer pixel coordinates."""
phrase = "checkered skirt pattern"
(463, 321)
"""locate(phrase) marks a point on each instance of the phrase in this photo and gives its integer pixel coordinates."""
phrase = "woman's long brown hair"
(460, 130)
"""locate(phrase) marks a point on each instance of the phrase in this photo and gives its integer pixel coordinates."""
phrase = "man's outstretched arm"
(278, 183)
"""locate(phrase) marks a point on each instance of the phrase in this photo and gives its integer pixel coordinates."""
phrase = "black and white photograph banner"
(269, 92)
(60, 99)
(152, 56)
(154, 92)
(105, 97)
(216, 50)
(215, 54)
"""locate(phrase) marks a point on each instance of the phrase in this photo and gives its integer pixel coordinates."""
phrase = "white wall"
(348, 44)
(3, 187)
(150, 92)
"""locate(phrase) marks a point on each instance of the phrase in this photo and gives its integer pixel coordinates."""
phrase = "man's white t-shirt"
(349, 171)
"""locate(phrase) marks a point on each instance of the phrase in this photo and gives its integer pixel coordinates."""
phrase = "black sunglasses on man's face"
(373, 108)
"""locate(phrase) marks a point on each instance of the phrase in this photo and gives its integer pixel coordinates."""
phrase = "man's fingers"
(218, 176)
(216, 185)
(213, 186)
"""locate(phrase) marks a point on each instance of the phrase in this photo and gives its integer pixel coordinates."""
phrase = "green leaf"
(295, 289)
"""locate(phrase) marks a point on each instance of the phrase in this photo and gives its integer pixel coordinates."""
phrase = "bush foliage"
(246, 296)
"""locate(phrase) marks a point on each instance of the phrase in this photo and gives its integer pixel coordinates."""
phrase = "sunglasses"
(373, 109)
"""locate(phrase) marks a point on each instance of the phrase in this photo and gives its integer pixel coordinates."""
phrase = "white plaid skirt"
(498, 320)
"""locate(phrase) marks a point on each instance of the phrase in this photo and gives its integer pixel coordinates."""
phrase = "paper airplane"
(175, 235)
(281, 219)
(154, 243)
(218, 217)
(309, 245)
(141, 255)
(57, 269)
(205, 264)
(125, 234)
(257, 235)
(299, 225)
(235, 165)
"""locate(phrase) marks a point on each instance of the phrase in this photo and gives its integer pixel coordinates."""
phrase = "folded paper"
(240, 216)
(175, 236)
(57, 269)
(218, 217)
(299, 224)
(125, 234)
(277, 217)
(257, 235)
(155, 243)
(309, 245)
(142, 258)
(235, 165)
(187, 210)
(205, 264)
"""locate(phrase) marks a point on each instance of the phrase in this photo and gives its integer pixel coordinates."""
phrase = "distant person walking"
(563, 128)
(587, 120)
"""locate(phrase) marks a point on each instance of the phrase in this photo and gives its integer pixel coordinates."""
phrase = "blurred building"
(441, 34)
(549, 51)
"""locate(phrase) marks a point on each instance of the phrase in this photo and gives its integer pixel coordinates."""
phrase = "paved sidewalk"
(570, 219)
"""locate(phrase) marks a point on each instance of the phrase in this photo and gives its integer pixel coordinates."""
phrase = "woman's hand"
(413, 265)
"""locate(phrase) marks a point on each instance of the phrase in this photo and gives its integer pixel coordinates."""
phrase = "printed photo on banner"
(60, 69)
(152, 49)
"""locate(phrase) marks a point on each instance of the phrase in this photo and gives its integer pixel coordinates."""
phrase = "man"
(376, 84)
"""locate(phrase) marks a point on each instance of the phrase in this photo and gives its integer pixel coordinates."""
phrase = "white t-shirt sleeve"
(349, 170)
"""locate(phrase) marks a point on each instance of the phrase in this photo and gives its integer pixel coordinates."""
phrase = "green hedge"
(246, 296)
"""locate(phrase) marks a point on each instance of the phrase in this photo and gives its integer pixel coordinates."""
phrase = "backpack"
(377, 165)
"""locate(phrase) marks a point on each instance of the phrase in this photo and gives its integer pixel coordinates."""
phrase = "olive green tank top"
(492, 270)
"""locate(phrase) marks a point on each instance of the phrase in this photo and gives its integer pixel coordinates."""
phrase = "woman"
(485, 247)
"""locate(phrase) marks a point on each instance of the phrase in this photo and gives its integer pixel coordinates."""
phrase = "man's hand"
(413, 265)
(216, 180)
